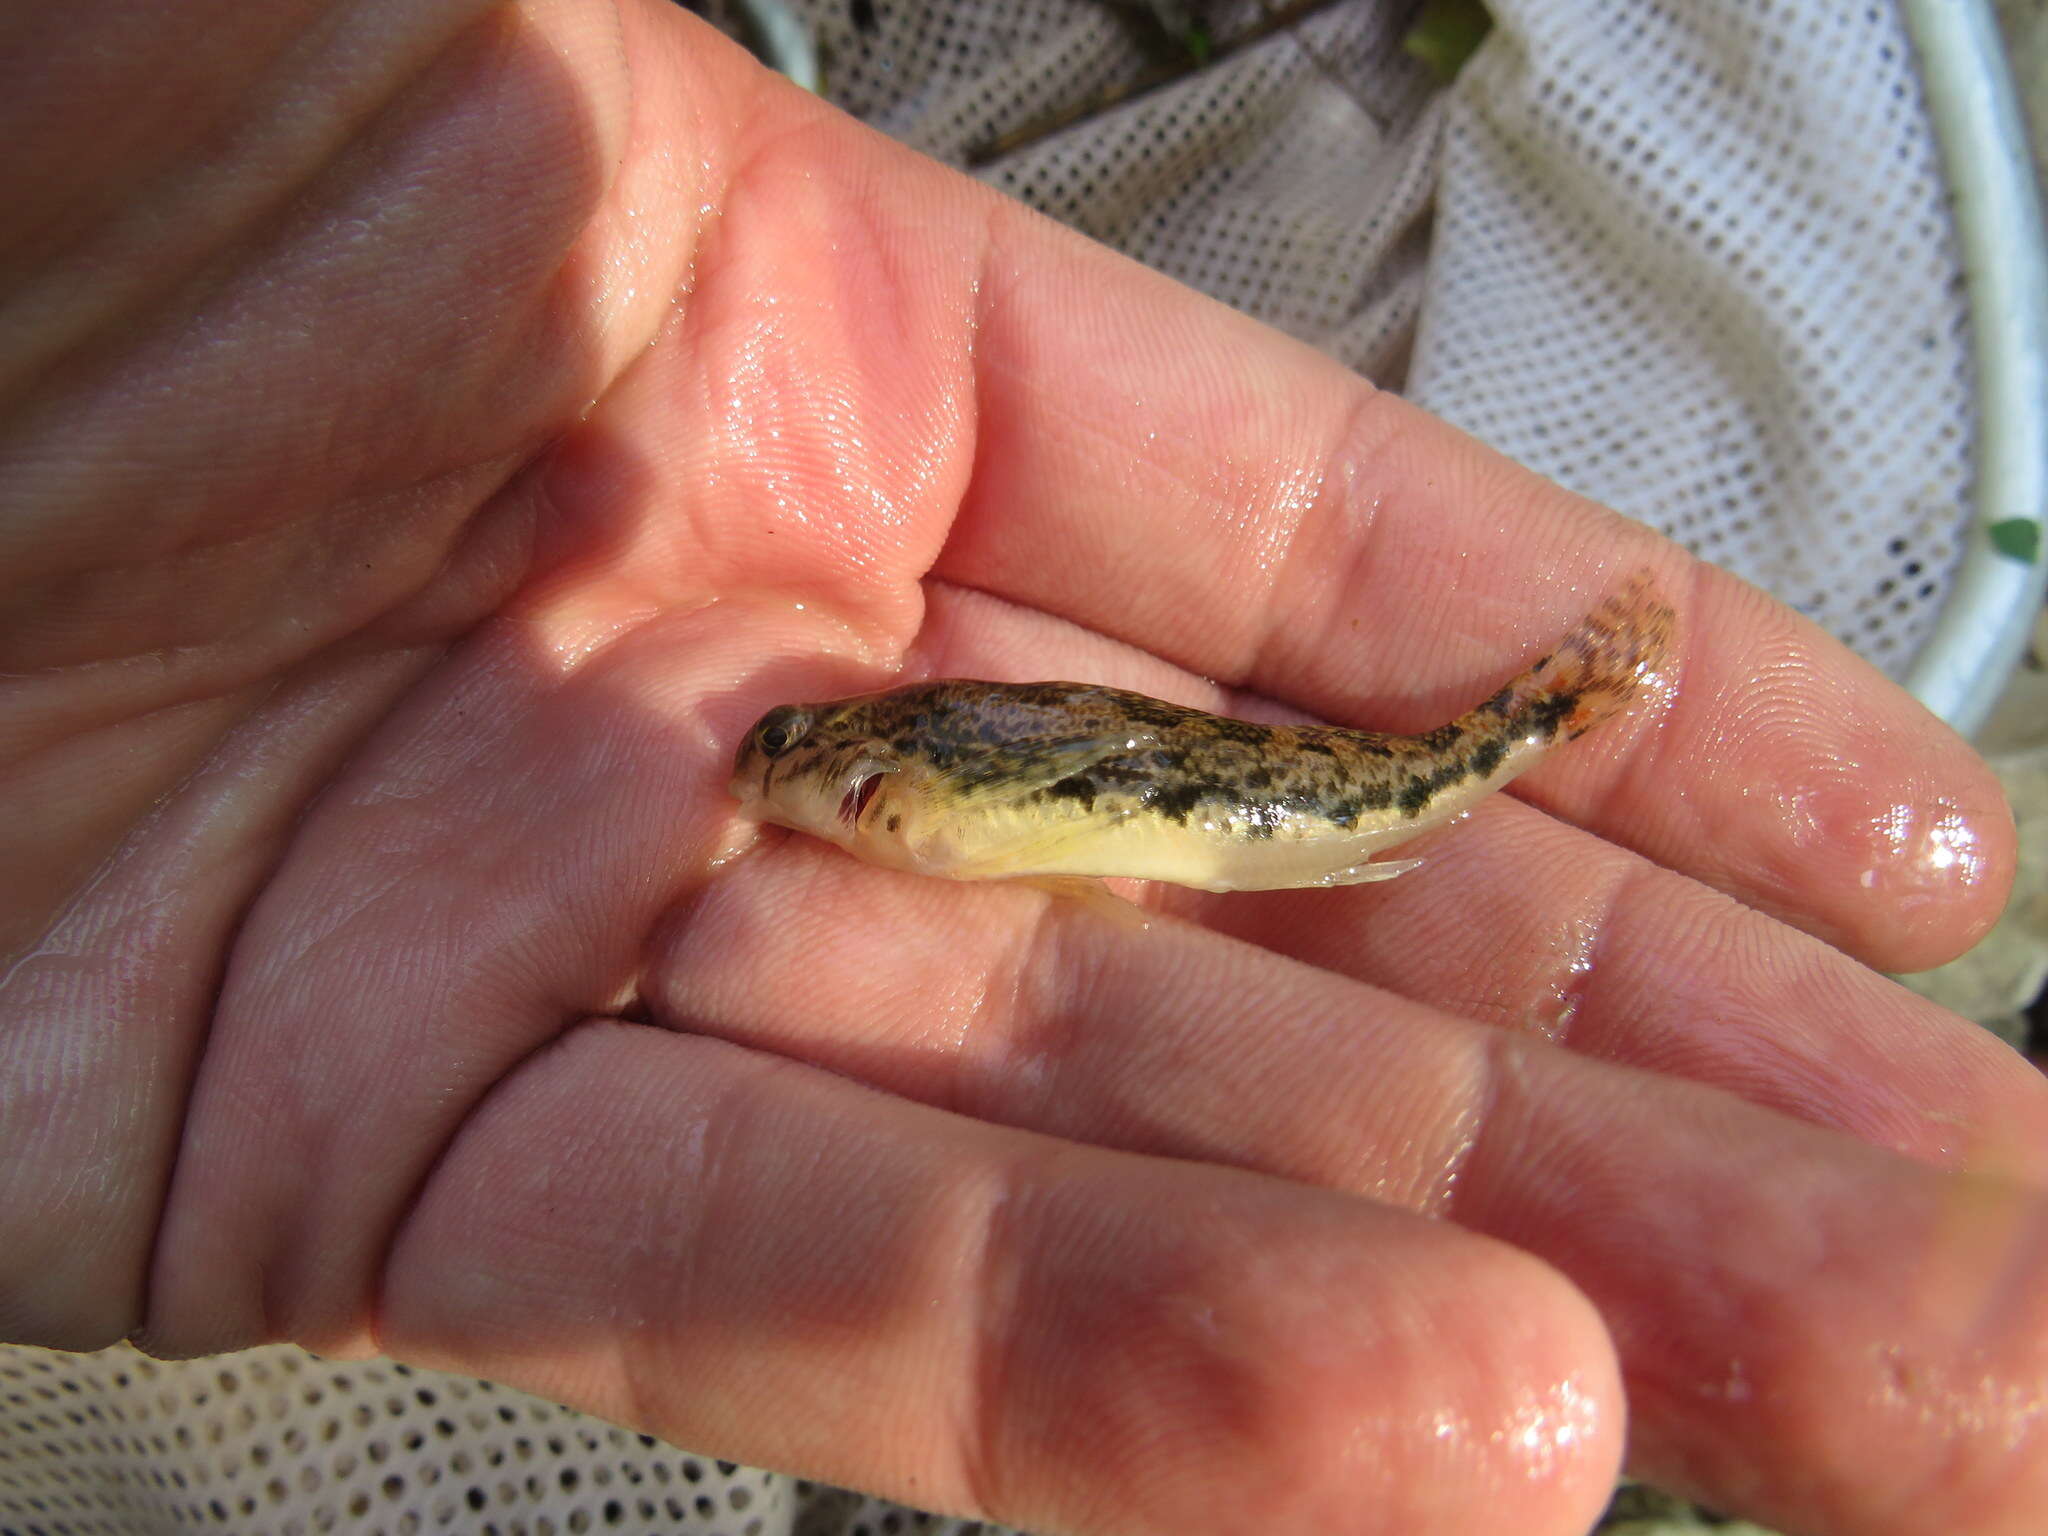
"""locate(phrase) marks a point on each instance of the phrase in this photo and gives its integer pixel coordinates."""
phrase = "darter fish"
(1056, 782)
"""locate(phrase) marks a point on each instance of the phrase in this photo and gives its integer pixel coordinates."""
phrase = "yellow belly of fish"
(1203, 854)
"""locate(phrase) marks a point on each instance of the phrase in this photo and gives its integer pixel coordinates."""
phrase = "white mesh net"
(1695, 261)
(1690, 257)
(276, 1440)
(1290, 177)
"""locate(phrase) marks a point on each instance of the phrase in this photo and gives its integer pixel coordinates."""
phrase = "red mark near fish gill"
(857, 796)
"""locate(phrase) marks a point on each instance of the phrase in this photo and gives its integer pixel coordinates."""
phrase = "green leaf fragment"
(1446, 34)
(2017, 538)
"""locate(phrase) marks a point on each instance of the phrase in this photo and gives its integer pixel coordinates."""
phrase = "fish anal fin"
(1362, 874)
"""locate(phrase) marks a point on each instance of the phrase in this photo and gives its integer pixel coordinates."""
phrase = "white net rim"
(1982, 631)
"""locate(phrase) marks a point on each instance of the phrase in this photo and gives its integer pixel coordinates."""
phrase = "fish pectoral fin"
(1030, 853)
(1361, 874)
(1092, 894)
(999, 772)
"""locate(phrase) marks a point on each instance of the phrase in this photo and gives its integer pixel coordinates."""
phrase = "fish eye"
(780, 729)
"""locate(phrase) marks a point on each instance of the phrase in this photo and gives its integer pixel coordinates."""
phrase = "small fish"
(1059, 782)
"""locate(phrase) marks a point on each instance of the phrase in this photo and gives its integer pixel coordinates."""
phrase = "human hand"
(390, 972)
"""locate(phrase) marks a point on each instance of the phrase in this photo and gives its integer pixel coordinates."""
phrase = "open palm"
(430, 442)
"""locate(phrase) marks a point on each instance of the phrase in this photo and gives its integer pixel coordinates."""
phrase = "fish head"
(814, 767)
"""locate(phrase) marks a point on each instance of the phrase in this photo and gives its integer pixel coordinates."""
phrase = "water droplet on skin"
(1554, 1005)
(1932, 852)
(1913, 854)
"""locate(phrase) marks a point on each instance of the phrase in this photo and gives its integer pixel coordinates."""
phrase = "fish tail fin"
(1597, 668)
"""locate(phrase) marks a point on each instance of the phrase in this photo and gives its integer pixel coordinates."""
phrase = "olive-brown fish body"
(974, 781)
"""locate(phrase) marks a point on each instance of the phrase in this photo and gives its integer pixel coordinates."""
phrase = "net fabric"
(1696, 262)
(275, 1440)
(1290, 177)
(1691, 259)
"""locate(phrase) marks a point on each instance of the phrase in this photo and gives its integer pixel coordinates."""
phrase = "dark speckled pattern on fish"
(1059, 752)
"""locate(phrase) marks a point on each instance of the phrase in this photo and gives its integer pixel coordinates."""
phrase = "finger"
(1861, 1340)
(1140, 452)
(484, 868)
(1522, 922)
(1734, 1237)
(773, 1264)
(285, 300)
(1421, 571)
(1130, 456)
(326, 1106)
(322, 1106)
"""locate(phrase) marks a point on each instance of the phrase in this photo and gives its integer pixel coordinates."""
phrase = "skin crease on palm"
(430, 435)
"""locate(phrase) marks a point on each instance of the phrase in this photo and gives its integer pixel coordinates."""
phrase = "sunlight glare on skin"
(570, 627)
(1549, 1430)
(1926, 850)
